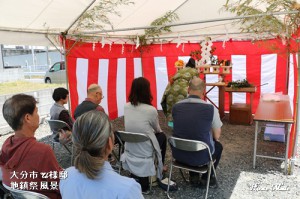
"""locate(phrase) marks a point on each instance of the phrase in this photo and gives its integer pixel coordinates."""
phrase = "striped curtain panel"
(114, 67)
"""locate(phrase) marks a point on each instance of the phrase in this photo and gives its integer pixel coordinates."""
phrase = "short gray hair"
(90, 136)
(196, 84)
(93, 88)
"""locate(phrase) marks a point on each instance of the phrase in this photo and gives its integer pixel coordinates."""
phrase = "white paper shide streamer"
(103, 42)
(137, 42)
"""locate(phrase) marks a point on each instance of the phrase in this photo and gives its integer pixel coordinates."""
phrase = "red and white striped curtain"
(114, 67)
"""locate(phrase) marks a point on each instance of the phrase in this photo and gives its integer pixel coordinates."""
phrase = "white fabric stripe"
(81, 78)
(161, 74)
(268, 73)
(121, 86)
(103, 81)
(213, 95)
(184, 58)
(238, 73)
(291, 82)
(137, 67)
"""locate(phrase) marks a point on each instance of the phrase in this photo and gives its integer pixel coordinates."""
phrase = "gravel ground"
(237, 179)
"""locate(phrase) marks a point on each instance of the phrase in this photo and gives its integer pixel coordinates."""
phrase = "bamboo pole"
(297, 112)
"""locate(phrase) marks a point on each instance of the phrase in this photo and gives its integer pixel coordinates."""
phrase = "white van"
(56, 74)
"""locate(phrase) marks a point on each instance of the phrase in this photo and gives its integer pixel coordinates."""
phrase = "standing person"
(196, 119)
(176, 90)
(23, 160)
(141, 117)
(94, 97)
(92, 176)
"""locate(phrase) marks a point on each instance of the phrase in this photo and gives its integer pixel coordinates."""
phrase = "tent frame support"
(64, 35)
(193, 22)
(297, 112)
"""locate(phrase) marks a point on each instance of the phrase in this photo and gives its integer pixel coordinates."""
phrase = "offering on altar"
(179, 64)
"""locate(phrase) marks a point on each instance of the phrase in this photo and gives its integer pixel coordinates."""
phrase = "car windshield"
(56, 67)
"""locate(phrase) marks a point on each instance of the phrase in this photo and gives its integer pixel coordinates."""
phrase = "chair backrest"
(57, 125)
(133, 137)
(22, 194)
(188, 145)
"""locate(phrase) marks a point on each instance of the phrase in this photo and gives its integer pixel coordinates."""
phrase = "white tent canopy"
(28, 22)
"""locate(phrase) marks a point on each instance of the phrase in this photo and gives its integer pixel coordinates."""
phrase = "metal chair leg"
(182, 174)
(169, 179)
(208, 179)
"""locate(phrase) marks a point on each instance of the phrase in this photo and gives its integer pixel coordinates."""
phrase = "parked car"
(56, 74)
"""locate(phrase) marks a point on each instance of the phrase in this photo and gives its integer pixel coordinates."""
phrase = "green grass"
(24, 86)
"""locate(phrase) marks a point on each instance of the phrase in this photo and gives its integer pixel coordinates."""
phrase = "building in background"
(17, 61)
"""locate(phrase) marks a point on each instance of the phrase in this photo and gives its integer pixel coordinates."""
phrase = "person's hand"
(64, 136)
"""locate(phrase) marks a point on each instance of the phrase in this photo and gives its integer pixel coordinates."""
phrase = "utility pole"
(1, 57)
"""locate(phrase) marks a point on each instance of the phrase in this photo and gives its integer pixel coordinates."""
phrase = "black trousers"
(216, 156)
(162, 141)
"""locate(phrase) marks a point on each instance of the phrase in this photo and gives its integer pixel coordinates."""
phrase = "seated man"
(195, 119)
(94, 97)
(25, 163)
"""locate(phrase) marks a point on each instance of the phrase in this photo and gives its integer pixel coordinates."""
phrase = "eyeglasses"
(102, 96)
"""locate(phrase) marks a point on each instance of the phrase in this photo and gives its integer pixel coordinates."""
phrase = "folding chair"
(190, 146)
(119, 144)
(57, 126)
(130, 137)
(22, 194)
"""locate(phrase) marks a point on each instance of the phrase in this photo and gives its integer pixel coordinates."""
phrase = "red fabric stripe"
(171, 66)
(149, 73)
(281, 74)
(129, 75)
(71, 65)
(93, 71)
(111, 89)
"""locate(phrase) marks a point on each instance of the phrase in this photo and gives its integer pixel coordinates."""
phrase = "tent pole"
(67, 68)
(191, 23)
(171, 37)
(54, 44)
(64, 46)
(297, 123)
(79, 16)
(180, 6)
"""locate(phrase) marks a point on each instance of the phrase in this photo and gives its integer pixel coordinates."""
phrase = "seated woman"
(92, 176)
(141, 117)
(176, 90)
(59, 112)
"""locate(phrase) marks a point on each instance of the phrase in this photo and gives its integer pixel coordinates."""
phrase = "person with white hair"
(94, 98)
